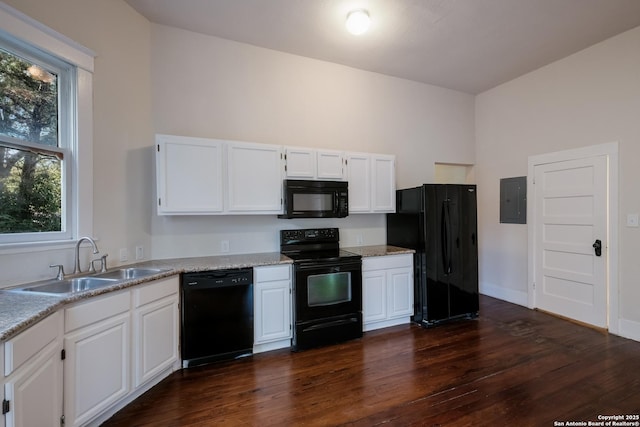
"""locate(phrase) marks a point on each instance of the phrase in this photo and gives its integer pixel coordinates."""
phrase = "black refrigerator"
(439, 221)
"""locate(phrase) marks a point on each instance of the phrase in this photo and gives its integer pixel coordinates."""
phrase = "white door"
(400, 289)
(272, 311)
(383, 183)
(96, 372)
(570, 216)
(254, 178)
(188, 175)
(330, 165)
(301, 163)
(35, 392)
(155, 340)
(359, 177)
(374, 295)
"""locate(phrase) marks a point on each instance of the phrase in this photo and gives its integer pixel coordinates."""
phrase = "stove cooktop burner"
(313, 244)
(322, 255)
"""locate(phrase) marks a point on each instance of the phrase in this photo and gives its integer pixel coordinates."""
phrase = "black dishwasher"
(216, 315)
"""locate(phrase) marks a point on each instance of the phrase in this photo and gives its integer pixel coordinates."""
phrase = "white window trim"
(20, 26)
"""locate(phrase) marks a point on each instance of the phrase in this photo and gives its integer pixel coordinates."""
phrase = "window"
(45, 133)
(35, 151)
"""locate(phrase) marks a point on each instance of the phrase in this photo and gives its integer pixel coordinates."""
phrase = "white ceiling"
(466, 45)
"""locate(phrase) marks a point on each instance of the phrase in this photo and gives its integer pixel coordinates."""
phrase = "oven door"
(327, 289)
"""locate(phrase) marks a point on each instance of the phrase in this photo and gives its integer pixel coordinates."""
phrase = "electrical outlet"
(139, 252)
(632, 220)
(224, 246)
(359, 240)
(124, 255)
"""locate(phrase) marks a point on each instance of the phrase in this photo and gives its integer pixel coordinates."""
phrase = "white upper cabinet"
(330, 165)
(254, 178)
(359, 177)
(300, 163)
(383, 183)
(372, 183)
(189, 175)
(201, 176)
(308, 163)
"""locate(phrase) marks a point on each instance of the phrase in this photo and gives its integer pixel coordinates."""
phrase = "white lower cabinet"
(32, 365)
(155, 329)
(387, 291)
(96, 373)
(115, 348)
(118, 346)
(272, 307)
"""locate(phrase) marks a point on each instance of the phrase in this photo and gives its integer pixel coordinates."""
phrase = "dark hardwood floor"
(510, 367)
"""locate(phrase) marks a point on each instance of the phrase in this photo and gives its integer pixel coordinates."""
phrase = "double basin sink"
(89, 283)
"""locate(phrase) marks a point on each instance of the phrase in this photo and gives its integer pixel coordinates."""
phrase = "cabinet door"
(301, 163)
(188, 175)
(35, 391)
(330, 165)
(254, 178)
(155, 338)
(2, 392)
(272, 306)
(96, 372)
(400, 292)
(359, 177)
(374, 296)
(384, 183)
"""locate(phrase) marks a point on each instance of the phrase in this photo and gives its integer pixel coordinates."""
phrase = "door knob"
(597, 245)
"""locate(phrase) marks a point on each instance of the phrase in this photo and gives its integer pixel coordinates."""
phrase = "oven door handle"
(331, 324)
(330, 268)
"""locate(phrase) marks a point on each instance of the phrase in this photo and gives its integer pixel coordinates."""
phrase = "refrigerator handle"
(446, 237)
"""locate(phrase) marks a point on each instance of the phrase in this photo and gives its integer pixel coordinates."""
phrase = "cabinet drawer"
(271, 273)
(154, 291)
(386, 262)
(96, 310)
(29, 343)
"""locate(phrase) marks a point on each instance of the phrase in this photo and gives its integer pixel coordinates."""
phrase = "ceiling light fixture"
(358, 21)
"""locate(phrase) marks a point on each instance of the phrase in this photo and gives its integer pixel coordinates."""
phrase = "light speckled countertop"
(20, 310)
(378, 250)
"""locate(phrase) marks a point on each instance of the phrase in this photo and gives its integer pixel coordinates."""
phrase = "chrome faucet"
(76, 268)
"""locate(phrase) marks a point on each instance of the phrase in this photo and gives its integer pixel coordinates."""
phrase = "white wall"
(190, 84)
(210, 87)
(589, 98)
(122, 166)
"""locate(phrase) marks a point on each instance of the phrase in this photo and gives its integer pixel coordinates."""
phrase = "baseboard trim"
(509, 295)
(629, 329)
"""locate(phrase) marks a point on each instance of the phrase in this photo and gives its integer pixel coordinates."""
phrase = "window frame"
(22, 34)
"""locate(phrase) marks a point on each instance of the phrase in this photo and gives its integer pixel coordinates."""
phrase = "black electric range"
(327, 287)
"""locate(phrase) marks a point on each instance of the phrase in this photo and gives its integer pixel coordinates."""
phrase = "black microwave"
(315, 199)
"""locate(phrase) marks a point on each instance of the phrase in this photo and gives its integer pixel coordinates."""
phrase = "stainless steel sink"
(130, 273)
(68, 286)
(88, 283)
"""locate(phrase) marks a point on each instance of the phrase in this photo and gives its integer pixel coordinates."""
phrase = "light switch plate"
(632, 220)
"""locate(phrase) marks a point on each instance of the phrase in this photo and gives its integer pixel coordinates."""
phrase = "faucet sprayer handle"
(60, 274)
(103, 263)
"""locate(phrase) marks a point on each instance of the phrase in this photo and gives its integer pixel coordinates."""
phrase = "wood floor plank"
(511, 366)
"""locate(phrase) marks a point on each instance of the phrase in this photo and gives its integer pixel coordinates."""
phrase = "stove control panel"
(309, 235)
